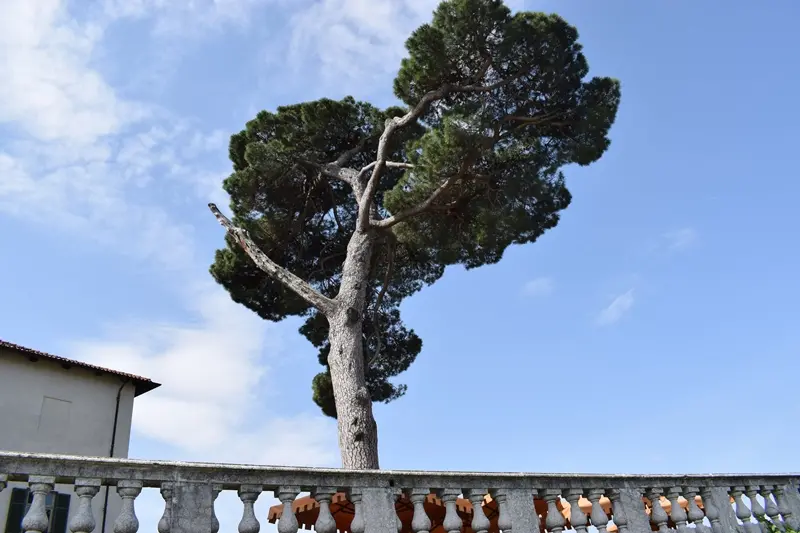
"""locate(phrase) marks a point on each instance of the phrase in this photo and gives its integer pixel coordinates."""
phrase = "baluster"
(789, 520)
(657, 513)
(166, 518)
(420, 522)
(83, 520)
(696, 514)
(676, 512)
(617, 511)
(288, 522)
(452, 522)
(325, 522)
(480, 523)
(555, 520)
(758, 510)
(127, 522)
(504, 522)
(398, 495)
(357, 525)
(598, 515)
(712, 513)
(215, 490)
(771, 508)
(577, 517)
(743, 511)
(35, 520)
(249, 494)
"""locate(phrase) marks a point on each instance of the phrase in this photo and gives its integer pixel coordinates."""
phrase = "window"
(56, 505)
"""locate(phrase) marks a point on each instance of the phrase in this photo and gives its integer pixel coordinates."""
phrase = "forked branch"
(296, 284)
(396, 123)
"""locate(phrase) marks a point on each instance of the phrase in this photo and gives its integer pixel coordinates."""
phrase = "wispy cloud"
(615, 310)
(212, 371)
(538, 287)
(353, 44)
(49, 90)
(680, 239)
(170, 18)
(82, 160)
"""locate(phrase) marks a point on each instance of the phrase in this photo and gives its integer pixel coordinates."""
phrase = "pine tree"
(342, 210)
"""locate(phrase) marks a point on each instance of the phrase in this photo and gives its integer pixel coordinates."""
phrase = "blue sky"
(654, 330)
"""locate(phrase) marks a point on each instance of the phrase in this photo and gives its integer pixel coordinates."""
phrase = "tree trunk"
(358, 432)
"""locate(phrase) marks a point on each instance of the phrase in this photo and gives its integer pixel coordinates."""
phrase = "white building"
(49, 404)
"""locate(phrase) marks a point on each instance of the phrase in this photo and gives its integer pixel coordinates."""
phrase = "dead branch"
(294, 283)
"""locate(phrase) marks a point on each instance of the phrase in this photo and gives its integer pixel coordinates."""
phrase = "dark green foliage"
(502, 149)
(289, 211)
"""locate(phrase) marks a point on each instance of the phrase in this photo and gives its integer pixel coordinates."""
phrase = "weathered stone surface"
(191, 488)
(793, 497)
(192, 508)
(722, 501)
(520, 509)
(630, 501)
(379, 511)
(19, 466)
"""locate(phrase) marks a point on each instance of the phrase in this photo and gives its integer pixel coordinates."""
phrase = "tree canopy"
(495, 105)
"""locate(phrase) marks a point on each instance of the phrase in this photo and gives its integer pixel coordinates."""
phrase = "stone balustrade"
(631, 503)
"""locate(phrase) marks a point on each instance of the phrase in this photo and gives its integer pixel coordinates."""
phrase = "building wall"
(45, 408)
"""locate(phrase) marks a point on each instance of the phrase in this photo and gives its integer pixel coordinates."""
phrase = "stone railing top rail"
(16, 466)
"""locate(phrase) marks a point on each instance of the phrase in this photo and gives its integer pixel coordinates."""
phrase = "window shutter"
(16, 510)
(58, 523)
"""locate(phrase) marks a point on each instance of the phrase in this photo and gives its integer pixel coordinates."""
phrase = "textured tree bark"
(358, 431)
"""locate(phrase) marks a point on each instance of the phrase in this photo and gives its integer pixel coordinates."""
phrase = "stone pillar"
(792, 494)
(192, 508)
(520, 508)
(378, 510)
(628, 503)
(787, 498)
(721, 500)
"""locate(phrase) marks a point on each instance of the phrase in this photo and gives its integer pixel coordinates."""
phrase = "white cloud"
(212, 373)
(357, 43)
(616, 309)
(352, 40)
(538, 287)
(181, 17)
(64, 169)
(49, 89)
(680, 239)
(90, 199)
(80, 161)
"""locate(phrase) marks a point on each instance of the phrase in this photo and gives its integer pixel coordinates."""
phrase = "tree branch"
(543, 118)
(428, 202)
(392, 125)
(296, 284)
(417, 209)
(389, 164)
(349, 154)
(332, 170)
(396, 123)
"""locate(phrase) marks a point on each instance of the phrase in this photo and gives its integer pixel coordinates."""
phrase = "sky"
(655, 330)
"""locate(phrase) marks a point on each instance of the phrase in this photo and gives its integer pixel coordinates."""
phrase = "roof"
(141, 384)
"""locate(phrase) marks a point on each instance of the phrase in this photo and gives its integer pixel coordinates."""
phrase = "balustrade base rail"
(729, 503)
